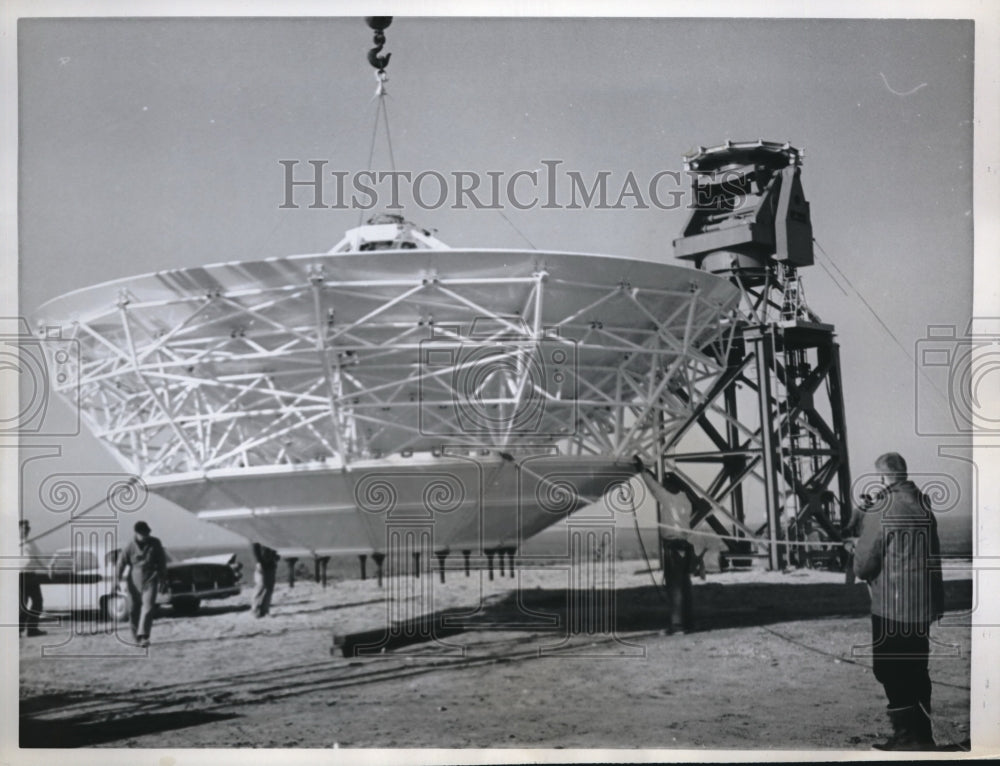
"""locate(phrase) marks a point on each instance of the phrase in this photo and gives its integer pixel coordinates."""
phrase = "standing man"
(30, 581)
(148, 562)
(676, 504)
(894, 554)
(264, 576)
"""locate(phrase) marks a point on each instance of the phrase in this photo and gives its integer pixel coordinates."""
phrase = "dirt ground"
(776, 661)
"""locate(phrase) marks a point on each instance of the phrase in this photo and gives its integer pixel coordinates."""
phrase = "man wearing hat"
(148, 562)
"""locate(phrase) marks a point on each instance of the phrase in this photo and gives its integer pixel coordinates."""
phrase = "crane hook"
(379, 62)
(378, 23)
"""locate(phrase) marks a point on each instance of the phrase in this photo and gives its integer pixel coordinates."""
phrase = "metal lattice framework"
(392, 343)
(775, 422)
(787, 438)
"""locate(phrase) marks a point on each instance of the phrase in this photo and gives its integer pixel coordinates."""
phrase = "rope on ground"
(841, 658)
(949, 728)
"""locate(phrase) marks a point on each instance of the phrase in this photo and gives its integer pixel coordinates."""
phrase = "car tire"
(115, 608)
(185, 605)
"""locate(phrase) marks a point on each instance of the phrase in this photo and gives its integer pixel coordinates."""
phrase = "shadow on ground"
(564, 611)
(82, 719)
(88, 729)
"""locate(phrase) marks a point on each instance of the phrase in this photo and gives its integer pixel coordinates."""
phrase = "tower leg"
(292, 561)
(733, 437)
(465, 555)
(364, 561)
(764, 353)
(840, 428)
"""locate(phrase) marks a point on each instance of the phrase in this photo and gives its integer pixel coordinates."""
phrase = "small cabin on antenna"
(748, 209)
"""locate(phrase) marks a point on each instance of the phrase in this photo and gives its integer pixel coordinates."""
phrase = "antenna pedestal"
(777, 414)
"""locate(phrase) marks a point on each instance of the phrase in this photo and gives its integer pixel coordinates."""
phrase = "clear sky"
(154, 144)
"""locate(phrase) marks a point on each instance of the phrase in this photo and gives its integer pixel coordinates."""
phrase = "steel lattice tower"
(775, 420)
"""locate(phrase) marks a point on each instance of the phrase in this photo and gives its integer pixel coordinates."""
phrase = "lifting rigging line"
(879, 319)
(379, 62)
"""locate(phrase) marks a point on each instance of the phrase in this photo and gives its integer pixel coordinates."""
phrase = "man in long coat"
(895, 554)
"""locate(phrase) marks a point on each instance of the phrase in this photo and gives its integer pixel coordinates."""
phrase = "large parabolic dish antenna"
(308, 401)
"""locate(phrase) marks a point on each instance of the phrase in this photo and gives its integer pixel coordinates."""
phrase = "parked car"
(194, 580)
(83, 580)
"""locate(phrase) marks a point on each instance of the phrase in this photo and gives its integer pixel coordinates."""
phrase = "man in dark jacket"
(148, 562)
(895, 554)
(264, 577)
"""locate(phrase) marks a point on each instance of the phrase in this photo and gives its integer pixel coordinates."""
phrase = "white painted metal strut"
(250, 377)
